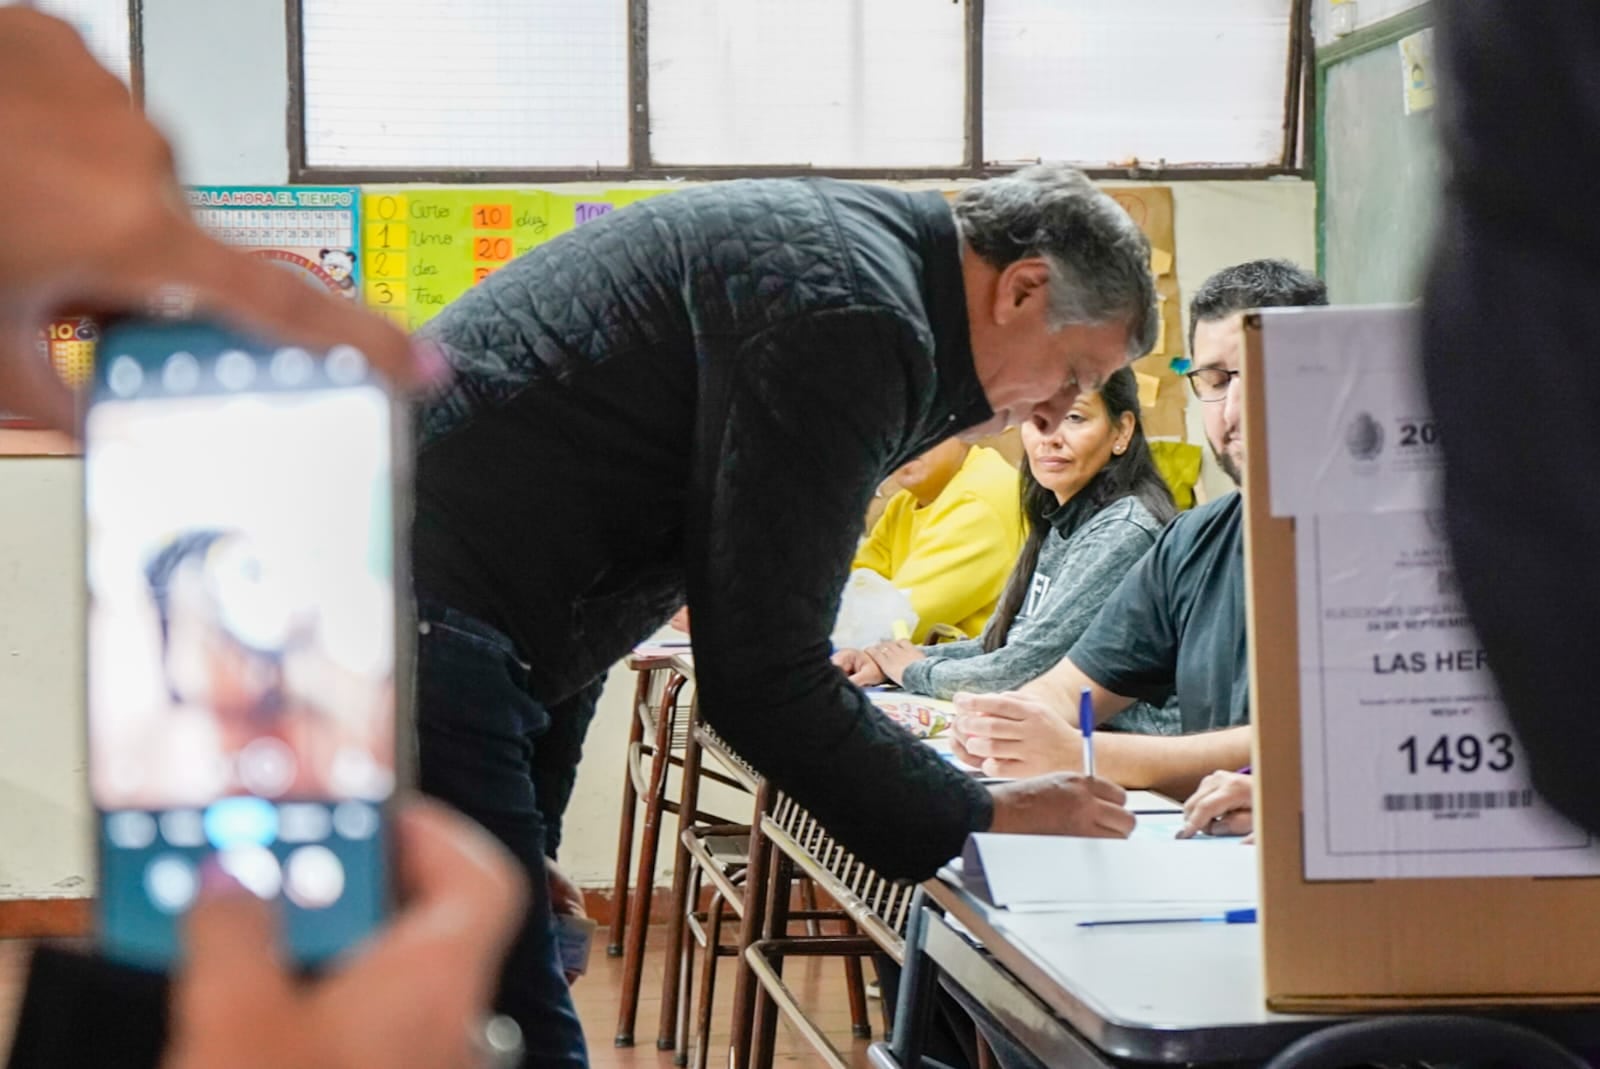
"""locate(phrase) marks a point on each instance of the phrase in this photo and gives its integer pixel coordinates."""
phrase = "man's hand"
(862, 669)
(1010, 736)
(1223, 804)
(564, 894)
(892, 658)
(1064, 803)
(415, 994)
(95, 221)
(565, 900)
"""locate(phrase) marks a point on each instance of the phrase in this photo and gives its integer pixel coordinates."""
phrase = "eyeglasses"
(1210, 384)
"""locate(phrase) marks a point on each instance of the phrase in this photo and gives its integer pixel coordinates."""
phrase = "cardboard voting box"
(1375, 837)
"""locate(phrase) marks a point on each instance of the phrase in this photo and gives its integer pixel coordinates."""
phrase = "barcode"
(1452, 801)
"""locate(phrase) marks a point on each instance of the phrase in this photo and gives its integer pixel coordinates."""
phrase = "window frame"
(136, 52)
(1297, 154)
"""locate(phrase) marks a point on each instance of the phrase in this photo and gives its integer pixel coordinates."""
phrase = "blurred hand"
(95, 221)
(415, 995)
(1011, 736)
(1223, 804)
(1063, 803)
(892, 658)
(862, 669)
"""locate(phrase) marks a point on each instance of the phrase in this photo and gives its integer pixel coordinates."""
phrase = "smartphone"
(244, 571)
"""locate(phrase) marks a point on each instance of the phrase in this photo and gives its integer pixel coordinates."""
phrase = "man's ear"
(1023, 288)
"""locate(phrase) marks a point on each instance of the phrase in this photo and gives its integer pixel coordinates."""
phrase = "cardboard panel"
(1377, 944)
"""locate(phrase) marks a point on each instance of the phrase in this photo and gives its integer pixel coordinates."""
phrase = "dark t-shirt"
(1176, 623)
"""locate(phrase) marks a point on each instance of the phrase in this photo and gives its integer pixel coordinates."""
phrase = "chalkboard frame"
(1369, 39)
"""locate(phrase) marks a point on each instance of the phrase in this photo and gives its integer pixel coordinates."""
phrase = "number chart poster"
(68, 344)
(309, 230)
(312, 231)
(425, 247)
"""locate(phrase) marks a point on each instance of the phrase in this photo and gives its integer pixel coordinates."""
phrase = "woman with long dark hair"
(1094, 503)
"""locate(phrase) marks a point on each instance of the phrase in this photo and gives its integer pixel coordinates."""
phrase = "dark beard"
(1225, 462)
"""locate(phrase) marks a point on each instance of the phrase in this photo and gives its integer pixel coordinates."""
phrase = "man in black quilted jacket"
(694, 398)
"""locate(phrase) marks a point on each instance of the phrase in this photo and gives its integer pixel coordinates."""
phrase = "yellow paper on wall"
(1149, 389)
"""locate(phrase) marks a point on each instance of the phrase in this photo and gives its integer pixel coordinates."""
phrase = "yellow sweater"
(952, 557)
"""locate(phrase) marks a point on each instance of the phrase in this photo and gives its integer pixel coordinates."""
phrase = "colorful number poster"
(68, 343)
(424, 247)
(310, 230)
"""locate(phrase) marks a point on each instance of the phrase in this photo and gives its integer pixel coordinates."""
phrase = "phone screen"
(241, 579)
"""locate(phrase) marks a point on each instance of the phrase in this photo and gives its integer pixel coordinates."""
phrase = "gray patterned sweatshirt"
(1075, 574)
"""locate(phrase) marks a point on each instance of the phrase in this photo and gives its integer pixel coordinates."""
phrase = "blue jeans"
(479, 734)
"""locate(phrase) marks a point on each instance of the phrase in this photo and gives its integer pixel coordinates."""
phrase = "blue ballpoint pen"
(1232, 916)
(1086, 726)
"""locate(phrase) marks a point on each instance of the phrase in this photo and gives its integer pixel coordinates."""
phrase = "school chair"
(1427, 1039)
(657, 738)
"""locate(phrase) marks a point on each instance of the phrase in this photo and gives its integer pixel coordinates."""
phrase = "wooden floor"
(817, 983)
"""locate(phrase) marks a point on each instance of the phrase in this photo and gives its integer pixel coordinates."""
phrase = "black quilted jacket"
(698, 394)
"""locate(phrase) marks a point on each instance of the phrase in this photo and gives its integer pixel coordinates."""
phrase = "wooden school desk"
(1103, 997)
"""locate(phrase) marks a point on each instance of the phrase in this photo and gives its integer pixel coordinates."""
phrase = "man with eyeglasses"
(1176, 624)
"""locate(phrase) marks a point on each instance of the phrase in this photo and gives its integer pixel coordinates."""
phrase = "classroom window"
(107, 27)
(825, 83)
(1122, 81)
(469, 84)
(498, 90)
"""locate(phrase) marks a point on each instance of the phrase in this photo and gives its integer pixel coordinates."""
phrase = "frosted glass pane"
(468, 84)
(103, 25)
(826, 83)
(1112, 81)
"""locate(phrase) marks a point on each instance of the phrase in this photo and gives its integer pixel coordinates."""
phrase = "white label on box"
(1410, 766)
(1346, 414)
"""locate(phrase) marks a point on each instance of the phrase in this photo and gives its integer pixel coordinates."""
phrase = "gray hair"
(1099, 260)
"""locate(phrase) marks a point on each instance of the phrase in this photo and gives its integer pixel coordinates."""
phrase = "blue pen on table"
(1232, 916)
(1086, 726)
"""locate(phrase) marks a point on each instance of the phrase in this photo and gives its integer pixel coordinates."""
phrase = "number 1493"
(1459, 753)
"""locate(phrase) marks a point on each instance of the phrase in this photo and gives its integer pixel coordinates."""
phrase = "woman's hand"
(862, 670)
(892, 658)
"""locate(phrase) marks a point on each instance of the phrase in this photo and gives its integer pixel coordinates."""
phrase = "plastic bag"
(872, 610)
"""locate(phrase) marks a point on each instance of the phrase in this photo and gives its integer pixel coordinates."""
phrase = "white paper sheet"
(1347, 419)
(1024, 871)
(1410, 766)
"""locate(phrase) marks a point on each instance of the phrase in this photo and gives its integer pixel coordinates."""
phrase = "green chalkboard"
(1378, 169)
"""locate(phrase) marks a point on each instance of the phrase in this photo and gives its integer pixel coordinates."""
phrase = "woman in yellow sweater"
(949, 537)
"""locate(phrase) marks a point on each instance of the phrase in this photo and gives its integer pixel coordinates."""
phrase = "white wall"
(44, 822)
(216, 77)
(1223, 223)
